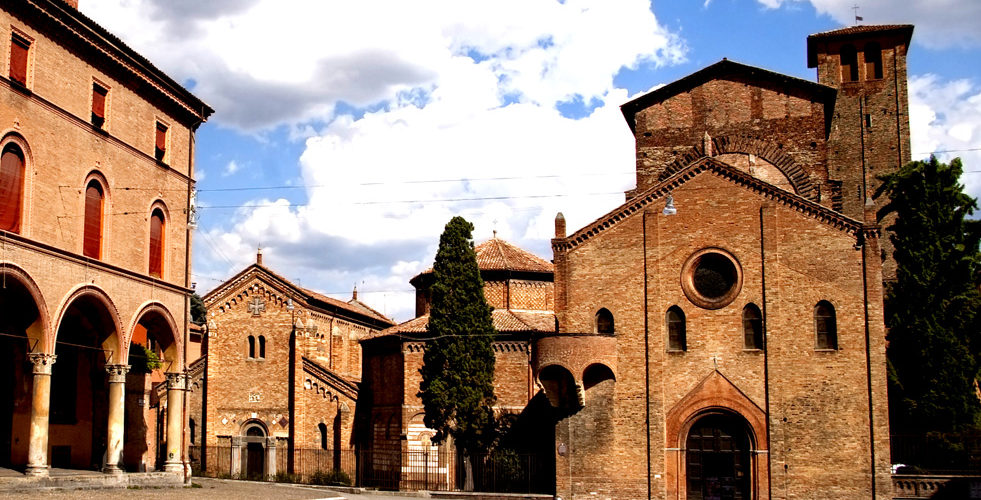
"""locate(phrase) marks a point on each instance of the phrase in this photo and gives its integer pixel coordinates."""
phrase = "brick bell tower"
(869, 129)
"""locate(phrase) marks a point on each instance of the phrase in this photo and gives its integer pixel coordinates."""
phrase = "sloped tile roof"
(496, 254)
(505, 321)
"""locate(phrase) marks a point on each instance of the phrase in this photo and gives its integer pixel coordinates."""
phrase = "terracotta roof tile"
(496, 254)
(505, 321)
(854, 30)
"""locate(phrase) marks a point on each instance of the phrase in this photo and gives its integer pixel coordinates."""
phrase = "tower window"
(262, 347)
(675, 319)
(752, 327)
(92, 231)
(849, 64)
(604, 321)
(873, 61)
(11, 187)
(825, 325)
(322, 429)
(19, 48)
(251, 347)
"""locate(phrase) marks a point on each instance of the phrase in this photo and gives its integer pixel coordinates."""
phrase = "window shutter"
(92, 242)
(18, 59)
(156, 243)
(98, 104)
(11, 185)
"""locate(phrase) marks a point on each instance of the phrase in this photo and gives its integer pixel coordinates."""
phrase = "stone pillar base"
(36, 471)
(112, 469)
(177, 467)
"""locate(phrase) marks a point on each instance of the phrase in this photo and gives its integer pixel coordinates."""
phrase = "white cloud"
(939, 23)
(945, 116)
(230, 168)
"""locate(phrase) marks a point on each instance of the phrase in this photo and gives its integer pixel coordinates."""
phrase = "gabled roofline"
(75, 25)
(854, 32)
(312, 299)
(343, 385)
(665, 187)
(630, 108)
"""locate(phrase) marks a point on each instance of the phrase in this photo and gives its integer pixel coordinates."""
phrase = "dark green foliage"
(334, 477)
(932, 308)
(199, 313)
(142, 359)
(457, 388)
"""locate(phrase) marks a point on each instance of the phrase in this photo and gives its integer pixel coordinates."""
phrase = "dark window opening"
(262, 347)
(849, 64)
(193, 427)
(868, 121)
(604, 321)
(92, 230)
(675, 319)
(99, 105)
(160, 143)
(715, 275)
(19, 48)
(717, 459)
(323, 435)
(752, 327)
(873, 61)
(157, 226)
(825, 325)
(251, 347)
(11, 187)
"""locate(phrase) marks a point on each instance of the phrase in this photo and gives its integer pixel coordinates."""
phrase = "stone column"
(176, 384)
(117, 417)
(271, 457)
(37, 448)
(236, 457)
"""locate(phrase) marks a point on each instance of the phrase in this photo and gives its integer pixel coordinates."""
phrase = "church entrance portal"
(254, 458)
(717, 459)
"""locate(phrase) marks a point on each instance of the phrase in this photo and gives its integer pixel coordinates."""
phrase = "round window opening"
(711, 278)
(715, 275)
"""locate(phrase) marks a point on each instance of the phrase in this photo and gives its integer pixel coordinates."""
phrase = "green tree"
(932, 308)
(457, 388)
(199, 313)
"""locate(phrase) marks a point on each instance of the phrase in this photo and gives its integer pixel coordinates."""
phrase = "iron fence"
(437, 470)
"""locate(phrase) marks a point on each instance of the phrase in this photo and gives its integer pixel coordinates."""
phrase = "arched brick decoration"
(10, 272)
(714, 394)
(177, 342)
(112, 342)
(749, 145)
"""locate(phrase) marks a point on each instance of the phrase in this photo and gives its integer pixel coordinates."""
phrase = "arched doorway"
(718, 463)
(87, 340)
(21, 332)
(254, 455)
(153, 351)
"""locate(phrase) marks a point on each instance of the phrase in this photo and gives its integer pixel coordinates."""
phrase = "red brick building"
(96, 179)
(720, 334)
(277, 388)
(518, 286)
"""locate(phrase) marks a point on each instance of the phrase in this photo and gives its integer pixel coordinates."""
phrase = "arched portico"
(24, 397)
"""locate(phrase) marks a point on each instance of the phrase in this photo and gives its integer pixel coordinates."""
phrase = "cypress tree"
(932, 307)
(457, 388)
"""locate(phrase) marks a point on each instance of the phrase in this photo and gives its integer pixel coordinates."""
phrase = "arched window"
(849, 64)
(193, 428)
(323, 435)
(752, 327)
(825, 325)
(675, 319)
(262, 347)
(873, 61)
(604, 321)
(11, 187)
(157, 227)
(251, 347)
(92, 230)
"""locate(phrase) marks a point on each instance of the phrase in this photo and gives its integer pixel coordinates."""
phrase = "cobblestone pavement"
(211, 489)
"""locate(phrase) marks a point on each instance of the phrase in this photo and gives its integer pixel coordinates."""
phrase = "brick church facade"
(277, 386)
(96, 178)
(720, 334)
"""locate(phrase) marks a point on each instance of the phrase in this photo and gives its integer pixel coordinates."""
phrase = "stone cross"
(257, 306)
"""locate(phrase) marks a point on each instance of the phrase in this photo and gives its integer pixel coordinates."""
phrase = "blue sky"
(348, 133)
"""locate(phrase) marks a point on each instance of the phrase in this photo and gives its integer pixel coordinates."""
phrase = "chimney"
(258, 256)
(559, 225)
(72, 3)
(354, 295)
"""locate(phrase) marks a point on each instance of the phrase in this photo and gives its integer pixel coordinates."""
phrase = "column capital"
(236, 441)
(176, 381)
(117, 373)
(42, 362)
(271, 441)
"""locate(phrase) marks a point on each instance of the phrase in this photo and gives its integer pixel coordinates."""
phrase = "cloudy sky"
(348, 133)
